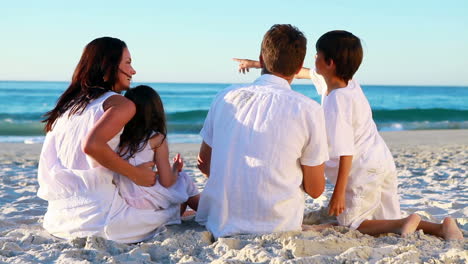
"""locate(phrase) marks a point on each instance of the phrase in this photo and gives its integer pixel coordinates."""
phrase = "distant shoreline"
(405, 137)
(301, 82)
(398, 139)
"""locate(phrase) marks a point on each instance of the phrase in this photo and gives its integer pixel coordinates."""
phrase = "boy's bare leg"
(403, 226)
(447, 230)
(450, 229)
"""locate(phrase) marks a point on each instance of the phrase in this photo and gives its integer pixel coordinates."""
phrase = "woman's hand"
(245, 65)
(119, 110)
(337, 204)
(146, 176)
(178, 163)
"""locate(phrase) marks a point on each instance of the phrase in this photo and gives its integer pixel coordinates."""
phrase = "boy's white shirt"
(351, 129)
(371, 192)
(318, 81)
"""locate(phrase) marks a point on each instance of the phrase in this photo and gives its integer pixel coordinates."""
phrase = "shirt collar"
(274, 80)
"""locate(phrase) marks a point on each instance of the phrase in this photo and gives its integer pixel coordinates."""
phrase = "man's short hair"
(344, 49)
(283, 49)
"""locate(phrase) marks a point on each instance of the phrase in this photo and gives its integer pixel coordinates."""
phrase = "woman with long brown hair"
(78, 158)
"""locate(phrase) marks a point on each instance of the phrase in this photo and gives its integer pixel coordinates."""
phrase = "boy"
(361, 166)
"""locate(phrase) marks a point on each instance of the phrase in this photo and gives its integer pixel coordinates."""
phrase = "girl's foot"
(450, 230)
(410, 224)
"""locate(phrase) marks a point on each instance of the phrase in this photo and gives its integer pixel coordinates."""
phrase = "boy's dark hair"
(344, 49)
(283, 49)
(149, 118)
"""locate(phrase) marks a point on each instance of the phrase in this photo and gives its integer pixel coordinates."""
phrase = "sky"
(405, 42)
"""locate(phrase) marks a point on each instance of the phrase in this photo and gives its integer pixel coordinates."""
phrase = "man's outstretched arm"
(245, 65)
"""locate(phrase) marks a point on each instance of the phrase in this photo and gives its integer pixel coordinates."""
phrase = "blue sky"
(405, 42)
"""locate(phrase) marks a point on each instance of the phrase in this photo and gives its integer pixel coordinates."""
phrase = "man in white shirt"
(263, 146)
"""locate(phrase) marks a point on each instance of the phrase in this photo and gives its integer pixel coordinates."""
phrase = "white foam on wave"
(173, 138)
(421, 125)
(22, 139)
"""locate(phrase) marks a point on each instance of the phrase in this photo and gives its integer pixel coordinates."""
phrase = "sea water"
(23, 103)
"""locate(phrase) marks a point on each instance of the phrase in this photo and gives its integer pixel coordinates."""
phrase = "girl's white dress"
(154, 197)
(82, 198)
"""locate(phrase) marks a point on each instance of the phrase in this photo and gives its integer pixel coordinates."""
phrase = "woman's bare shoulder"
(120, 102)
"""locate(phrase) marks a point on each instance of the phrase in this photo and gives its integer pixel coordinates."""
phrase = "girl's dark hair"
(344, 49)
(100, 59)
(149, 118)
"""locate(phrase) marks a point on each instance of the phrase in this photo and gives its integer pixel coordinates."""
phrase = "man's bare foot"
(316, 227)
(410, 225)
(183, 207)
(450, 230)
(189, 213)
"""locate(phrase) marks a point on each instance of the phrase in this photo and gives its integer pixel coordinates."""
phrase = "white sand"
(432, 168)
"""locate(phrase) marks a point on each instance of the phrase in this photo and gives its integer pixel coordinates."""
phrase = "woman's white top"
(83, 201)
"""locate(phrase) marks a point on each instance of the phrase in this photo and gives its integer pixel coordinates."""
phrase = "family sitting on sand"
(263, 146)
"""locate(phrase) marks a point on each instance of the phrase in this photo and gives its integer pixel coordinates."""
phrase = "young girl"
(361, 165)
(144, 139)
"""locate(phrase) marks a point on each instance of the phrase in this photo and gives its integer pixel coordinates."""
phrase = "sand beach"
(432, 169)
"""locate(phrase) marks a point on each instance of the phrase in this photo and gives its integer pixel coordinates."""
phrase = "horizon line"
(229, 83)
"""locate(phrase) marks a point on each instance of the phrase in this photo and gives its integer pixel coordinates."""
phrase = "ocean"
(22, 104)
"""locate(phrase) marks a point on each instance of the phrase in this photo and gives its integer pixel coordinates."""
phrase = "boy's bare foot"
(450, 230)
(410, 225)
(316, 227)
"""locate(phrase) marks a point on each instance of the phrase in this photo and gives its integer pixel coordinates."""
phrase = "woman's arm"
(118, 111)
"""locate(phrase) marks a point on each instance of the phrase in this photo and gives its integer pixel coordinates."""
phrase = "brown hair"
(100, 59)
(149, 118)
(344, 49)
(283, 49)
